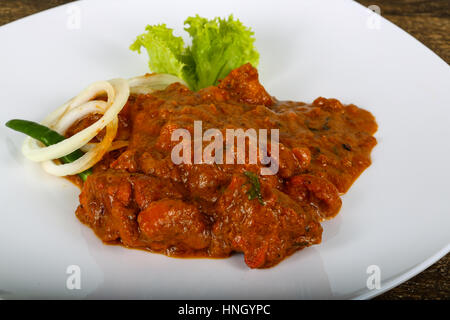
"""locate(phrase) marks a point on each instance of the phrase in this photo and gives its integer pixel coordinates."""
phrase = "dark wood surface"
(426, 20)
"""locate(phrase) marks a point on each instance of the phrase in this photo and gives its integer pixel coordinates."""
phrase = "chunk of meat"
(105, 207)
(243, 85)
(303, 156)
(265, 233)
(288, 162)
(204, 181)
(174, 223)
(163, 168)
(110, 202)
(148, 189)
(319, 191)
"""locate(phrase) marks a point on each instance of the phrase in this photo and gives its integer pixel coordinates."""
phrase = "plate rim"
(365, 294)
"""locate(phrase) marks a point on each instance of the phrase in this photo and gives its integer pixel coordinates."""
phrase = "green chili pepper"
(48, 137)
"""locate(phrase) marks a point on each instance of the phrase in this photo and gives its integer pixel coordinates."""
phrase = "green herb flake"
(255, 187)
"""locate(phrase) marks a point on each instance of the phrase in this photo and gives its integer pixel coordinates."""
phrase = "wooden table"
(429, 22)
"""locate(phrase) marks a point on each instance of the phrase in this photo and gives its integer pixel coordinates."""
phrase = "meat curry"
(139, 198)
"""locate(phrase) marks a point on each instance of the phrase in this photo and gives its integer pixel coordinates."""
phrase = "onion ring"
(77, 113)
(151, 82)
(88, 159)
(114, 146)
(117, 93)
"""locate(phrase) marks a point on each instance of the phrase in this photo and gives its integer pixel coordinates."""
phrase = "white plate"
(396, 216)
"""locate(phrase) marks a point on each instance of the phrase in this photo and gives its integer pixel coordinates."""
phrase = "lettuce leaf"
(218, 46)
(163, 48)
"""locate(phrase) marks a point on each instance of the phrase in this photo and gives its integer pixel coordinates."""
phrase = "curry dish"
(139, 198)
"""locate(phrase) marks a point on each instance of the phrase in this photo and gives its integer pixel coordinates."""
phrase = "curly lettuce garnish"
(218, 46)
